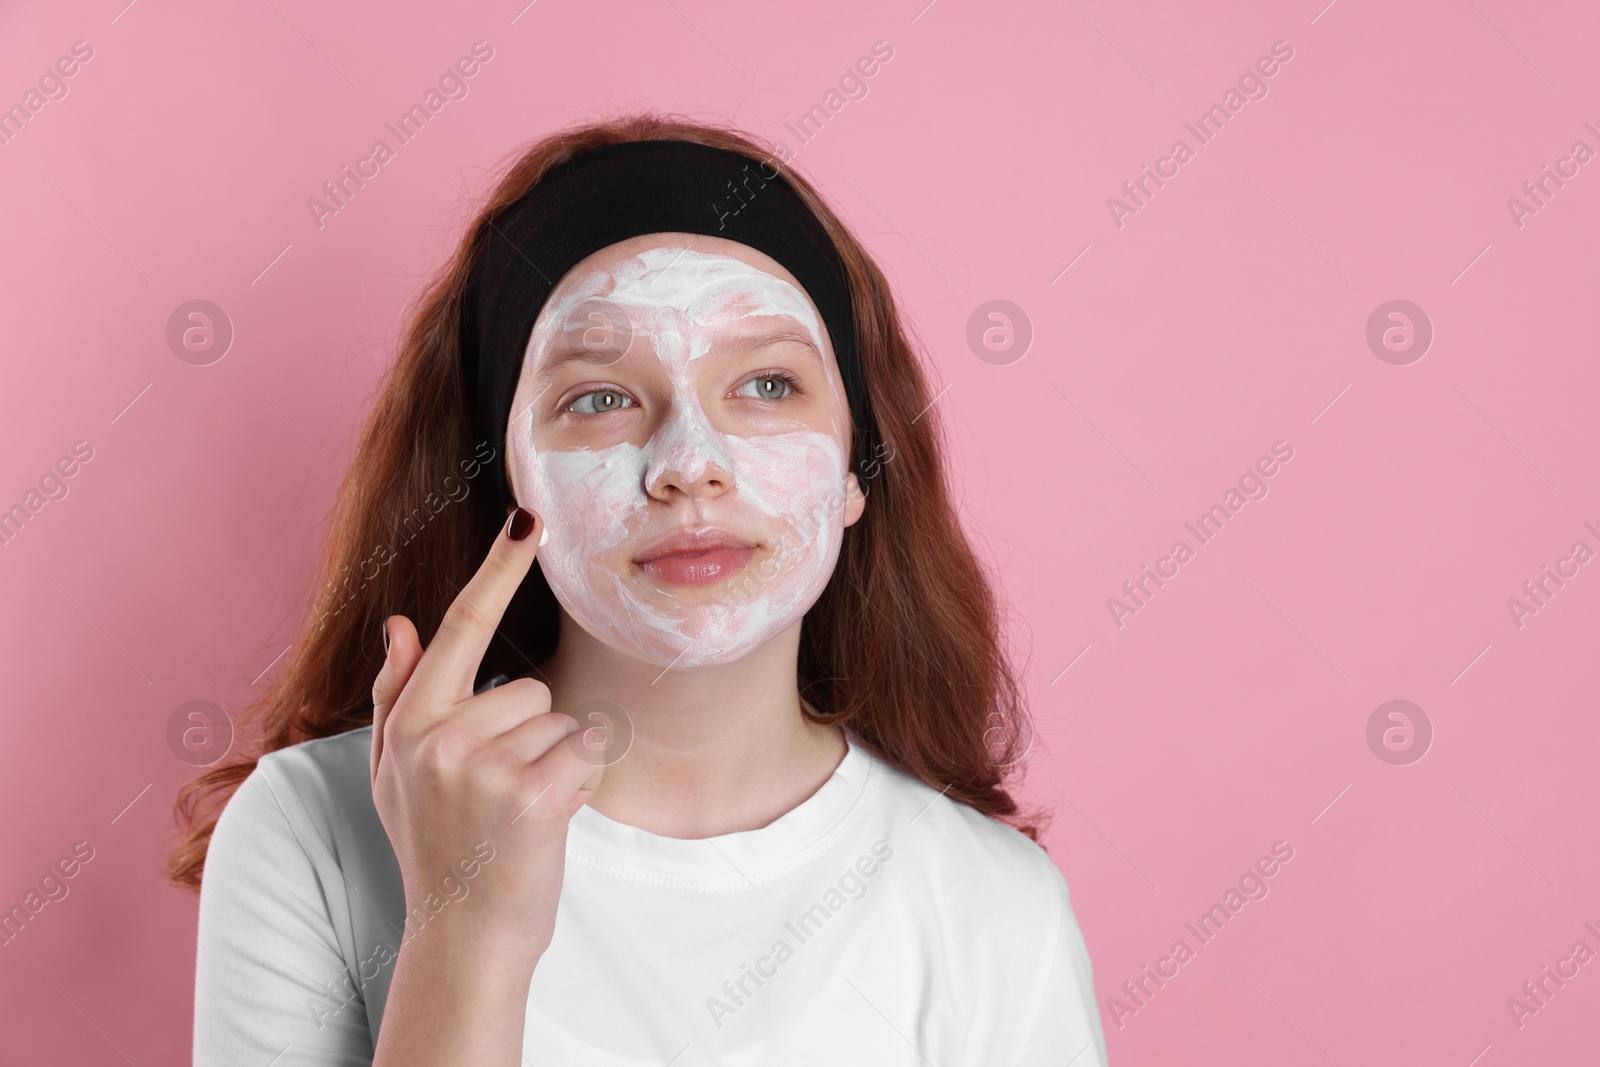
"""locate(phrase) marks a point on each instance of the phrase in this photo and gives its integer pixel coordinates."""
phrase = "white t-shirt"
(877, 923)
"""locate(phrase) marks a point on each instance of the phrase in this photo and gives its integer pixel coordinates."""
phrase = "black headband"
(623, 190)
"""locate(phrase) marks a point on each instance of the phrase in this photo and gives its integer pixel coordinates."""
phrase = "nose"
(687, 455)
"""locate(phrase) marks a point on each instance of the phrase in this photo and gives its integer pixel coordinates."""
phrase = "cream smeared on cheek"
(788, 488)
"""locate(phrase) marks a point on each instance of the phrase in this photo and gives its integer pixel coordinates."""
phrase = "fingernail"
(521, 524)
(385, 626)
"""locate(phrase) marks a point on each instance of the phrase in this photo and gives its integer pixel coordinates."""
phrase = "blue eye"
(768, 384)
(615, 401)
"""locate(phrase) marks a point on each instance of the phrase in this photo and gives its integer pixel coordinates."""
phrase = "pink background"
(1226, 315)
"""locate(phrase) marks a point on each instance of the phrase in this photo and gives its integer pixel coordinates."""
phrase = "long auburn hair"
(905, 645)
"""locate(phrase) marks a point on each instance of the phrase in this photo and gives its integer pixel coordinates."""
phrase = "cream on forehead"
(701, 285)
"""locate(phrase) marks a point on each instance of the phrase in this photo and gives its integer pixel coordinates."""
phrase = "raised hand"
(456, 777)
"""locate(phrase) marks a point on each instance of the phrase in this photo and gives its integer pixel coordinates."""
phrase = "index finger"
(450, 662)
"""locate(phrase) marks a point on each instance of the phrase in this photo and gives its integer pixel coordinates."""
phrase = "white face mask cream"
(774, 486)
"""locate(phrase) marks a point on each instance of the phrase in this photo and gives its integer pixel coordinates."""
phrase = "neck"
(715, 749)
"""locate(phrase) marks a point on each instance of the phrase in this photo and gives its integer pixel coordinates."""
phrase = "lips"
(695, 556)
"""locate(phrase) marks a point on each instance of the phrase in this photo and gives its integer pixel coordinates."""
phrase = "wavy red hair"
(905, 645)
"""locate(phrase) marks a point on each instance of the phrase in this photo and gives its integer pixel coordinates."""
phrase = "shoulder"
(969, 849)
(326, 769)
(288, 898)
(312, 788)
(999, 907)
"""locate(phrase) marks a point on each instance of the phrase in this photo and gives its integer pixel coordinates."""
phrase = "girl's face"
(681, 426)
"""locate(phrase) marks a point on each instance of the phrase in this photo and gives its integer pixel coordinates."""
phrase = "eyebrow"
(773, 336)
(606, 357)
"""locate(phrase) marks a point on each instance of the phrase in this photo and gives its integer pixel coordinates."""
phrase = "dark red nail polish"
(521, 524)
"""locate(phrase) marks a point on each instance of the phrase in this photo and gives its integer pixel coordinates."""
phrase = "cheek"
(588, 498)
(798, 477)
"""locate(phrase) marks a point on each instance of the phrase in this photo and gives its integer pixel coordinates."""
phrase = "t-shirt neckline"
(732, 860)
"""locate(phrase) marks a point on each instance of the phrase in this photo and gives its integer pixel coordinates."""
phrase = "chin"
(704, 628)
(679, 654)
